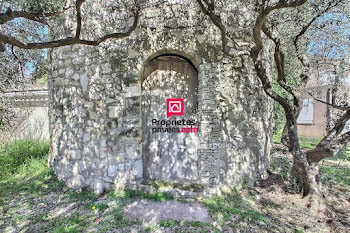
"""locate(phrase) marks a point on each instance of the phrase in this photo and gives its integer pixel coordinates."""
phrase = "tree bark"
(284, 137)
(307, 177)
(304, 170)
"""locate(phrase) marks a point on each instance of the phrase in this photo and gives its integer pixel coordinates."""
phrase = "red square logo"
(174, 107)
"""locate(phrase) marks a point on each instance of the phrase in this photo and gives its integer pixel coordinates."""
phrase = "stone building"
(108, 104)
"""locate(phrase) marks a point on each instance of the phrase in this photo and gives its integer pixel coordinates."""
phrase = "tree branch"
(209, 11)
(307, 26)
(263, 14)
(78, 9)
(21, 67)
(259, 67)
(10, 15)
(279, 62)
(72, 40)
(267, 86)
(328, 149)
(40, 17)
(340, 107)
(332, 143)
(337, 129)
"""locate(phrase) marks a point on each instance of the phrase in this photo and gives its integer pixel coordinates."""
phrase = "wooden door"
(169, 156)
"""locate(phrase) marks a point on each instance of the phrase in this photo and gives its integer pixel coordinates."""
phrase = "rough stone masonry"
(103, 100)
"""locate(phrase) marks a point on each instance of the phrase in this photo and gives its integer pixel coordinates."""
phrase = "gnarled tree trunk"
(306, 163)
(303, 171)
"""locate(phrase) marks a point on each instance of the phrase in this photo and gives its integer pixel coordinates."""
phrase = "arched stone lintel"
(194, 60)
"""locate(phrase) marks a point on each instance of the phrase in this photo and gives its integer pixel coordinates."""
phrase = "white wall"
(31, 123)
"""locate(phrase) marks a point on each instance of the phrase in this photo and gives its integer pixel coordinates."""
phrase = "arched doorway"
(168, 154)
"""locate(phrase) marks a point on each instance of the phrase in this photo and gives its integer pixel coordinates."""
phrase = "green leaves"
(38, 6)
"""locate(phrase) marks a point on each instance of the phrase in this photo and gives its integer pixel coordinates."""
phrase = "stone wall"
(95, 95)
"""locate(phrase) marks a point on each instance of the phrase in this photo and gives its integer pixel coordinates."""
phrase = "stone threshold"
(179, 190)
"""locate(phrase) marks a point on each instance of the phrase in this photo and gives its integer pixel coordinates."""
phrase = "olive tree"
(26, 35)
(298, 20)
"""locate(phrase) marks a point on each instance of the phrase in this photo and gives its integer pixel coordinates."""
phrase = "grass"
(30, 194)
(338, 173)
(276, 138)
(232, 209)
(308, 143)
(73, 223)
(149, 229)
(29, 182)
(29, 175)
(101, 207)
(168, 223)
(281, 165)
(26, 182)
(131, 193)
(26, 179)
(15, 155)
(171, 223)
(305, 142)
(119, 218)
